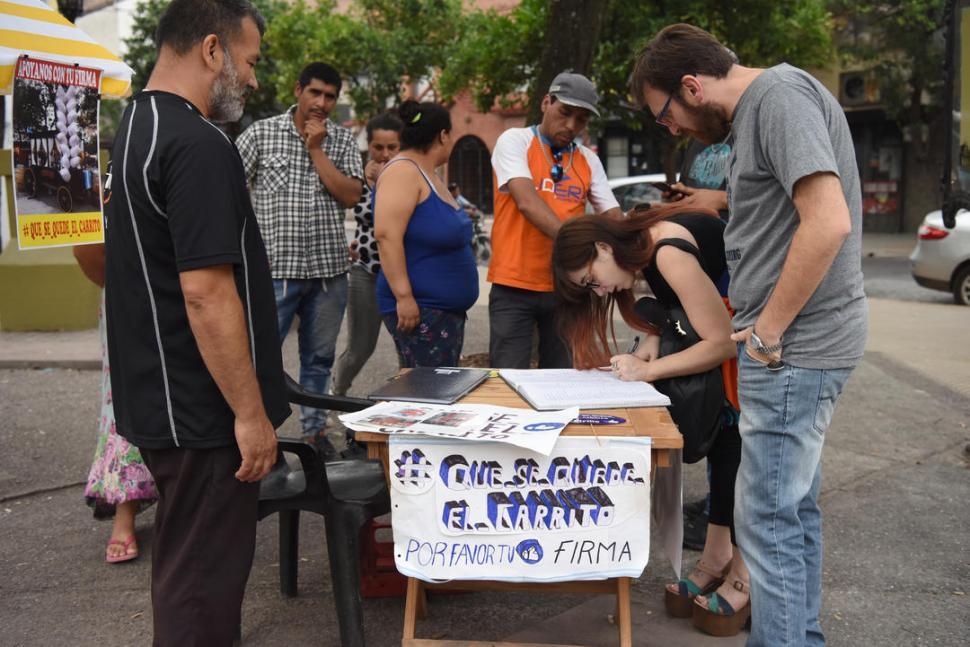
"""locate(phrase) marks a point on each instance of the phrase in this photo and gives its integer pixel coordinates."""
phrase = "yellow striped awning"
(31, 27)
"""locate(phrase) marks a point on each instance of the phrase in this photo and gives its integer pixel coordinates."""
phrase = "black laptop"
(432, 385)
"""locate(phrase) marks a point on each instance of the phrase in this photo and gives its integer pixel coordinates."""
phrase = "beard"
(714, 125)
(227, 99)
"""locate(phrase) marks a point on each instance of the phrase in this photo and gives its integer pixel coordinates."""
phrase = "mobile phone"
(663, 186)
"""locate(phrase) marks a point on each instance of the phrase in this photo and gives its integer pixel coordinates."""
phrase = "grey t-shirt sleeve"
(794, 136)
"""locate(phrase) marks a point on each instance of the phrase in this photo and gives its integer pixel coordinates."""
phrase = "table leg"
(411, 608)
(422, 601)
(623, 611)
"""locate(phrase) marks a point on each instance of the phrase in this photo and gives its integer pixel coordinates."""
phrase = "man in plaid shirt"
(303, 171)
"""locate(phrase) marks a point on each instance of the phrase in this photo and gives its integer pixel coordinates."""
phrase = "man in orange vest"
(542, 178)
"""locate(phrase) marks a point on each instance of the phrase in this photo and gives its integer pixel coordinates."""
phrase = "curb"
(36, 364)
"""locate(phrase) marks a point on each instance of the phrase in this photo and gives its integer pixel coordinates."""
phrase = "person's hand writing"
(631, 368)
(649, 350)
(314, 132)
(408, 314)
(257, 444)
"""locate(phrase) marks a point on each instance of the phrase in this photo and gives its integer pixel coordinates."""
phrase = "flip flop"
(125, 556)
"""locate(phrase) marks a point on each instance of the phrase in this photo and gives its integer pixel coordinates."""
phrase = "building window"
(617, 157)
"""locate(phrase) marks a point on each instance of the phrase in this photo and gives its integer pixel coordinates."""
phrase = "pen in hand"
(633, 349)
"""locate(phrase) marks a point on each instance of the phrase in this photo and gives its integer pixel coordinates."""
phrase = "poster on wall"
(493, 511)
(55, 154)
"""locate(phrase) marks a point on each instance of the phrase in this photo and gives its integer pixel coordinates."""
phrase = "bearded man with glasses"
(793, 248)
(543, 177)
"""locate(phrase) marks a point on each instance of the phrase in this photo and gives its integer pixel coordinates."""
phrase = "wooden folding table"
(654, 422)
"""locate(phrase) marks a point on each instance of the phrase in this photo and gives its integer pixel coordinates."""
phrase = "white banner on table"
(535, 430)
(489, 511)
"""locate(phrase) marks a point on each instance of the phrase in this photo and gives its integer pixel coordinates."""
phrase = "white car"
(941, 260)
(636, 189)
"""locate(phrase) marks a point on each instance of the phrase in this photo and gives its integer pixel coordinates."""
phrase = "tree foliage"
(902, 42)
(141, 53)
(496, 54)
(377, 45)
(501, 54)
(500, 58)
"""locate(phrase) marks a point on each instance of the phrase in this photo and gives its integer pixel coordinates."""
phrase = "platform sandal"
(679, 604)
(718, 617)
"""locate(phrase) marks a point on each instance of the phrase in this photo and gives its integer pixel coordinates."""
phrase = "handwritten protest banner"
(55, 154)
(471, 511)
(535, 430)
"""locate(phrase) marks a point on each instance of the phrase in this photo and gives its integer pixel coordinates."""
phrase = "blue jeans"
(320, 305)
(784, 416)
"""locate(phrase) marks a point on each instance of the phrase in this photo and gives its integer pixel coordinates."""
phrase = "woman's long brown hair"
(582, 314)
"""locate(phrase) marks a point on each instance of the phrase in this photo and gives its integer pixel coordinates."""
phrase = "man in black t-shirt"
(196, 369)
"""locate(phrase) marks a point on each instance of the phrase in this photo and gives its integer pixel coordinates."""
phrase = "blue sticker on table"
(598, 419)
(544, 426)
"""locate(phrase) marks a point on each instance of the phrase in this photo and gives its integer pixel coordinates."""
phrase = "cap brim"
(569, 101)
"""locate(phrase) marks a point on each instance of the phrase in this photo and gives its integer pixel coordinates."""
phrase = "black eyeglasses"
(662, 115)
(589, 283)
(557, 172)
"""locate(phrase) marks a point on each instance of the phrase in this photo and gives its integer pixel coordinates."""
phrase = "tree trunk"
(572, 35)
(921, 175)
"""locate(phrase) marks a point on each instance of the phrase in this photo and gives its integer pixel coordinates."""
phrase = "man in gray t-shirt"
(793, 250)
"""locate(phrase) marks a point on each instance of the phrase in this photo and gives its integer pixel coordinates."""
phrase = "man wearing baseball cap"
(542, 178)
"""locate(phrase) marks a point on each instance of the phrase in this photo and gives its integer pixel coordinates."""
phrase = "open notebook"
(558, 388)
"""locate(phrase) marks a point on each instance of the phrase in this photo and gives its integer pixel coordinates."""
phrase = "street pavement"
(894, 495)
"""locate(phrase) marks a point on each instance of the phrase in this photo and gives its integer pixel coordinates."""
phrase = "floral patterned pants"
(435, 341)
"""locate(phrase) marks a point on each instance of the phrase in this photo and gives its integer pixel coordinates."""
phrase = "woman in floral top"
(119, 484)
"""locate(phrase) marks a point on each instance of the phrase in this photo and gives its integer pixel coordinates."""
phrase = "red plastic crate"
(378, 575)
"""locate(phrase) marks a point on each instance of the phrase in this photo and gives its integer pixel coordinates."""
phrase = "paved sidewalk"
(894, 497)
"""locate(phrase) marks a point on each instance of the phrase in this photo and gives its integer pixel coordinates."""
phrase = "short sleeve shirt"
(521, 254)
(787, 126)
(178, 203)
(368, 254)
(301, 222)
(705, 165)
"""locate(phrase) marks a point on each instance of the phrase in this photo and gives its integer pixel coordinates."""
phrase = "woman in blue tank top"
(428, 278)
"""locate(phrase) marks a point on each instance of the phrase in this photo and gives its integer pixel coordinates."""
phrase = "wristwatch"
(760, 346)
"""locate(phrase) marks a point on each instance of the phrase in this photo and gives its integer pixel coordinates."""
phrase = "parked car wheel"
(961, 286)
